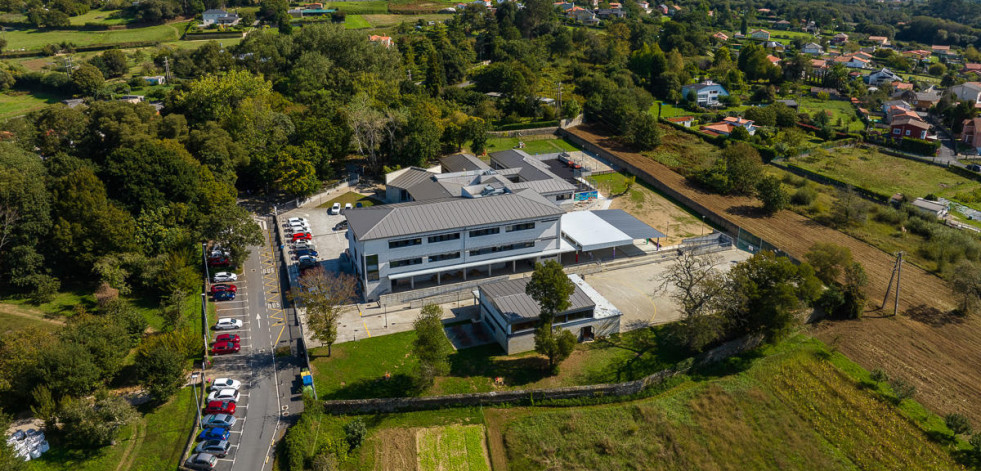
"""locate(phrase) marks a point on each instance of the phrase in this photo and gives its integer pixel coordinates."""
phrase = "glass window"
(520, 227)
(394, 244)
(484, 232)
(444, 237)
(444, 256)
(405, 262)
(371, 267)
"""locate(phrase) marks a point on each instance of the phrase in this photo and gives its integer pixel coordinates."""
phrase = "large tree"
(430, 346)
(323, 296)
(765, 293)
(551, 288)
(695, 283)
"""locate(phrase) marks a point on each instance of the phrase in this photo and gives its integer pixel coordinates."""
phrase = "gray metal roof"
(628, 224)
(418, 217)
(532, 173)
(410, 177)
(510, 298)
(462, 163)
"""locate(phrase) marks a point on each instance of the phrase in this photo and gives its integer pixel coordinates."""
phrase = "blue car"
(224, 296)
(310, 252)
(216, 433)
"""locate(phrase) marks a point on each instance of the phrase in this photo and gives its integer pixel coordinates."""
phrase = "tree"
(295, 176)
(828, 260)
(430, 346)
(323, 295)
(966, 282)
(160, 365)
(643, 133)
(958, 424)
(111, 63)
(93, 424)
(551, 288)
(770, 192)
(694, 283)
(739, 133)
(557, 346)
(87, 80)
(849, 209)
(355, 432)
(743, 167)
(766, 290)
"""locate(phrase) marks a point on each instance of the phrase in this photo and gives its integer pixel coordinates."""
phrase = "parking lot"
(330, 244)
(237, 366)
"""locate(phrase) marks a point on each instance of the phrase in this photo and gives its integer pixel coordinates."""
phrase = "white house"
(812, 48)
(970, 92)
(706, 93)
(760, 34)
(219, 17)
(933, 208)
(882, 76)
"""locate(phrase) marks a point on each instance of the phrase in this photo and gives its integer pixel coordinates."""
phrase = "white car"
(224, 276)
(225, 383)
(227, 323)
(224, 395)
(348, 206)
(300, 220)
(335, 209)
(300, 228)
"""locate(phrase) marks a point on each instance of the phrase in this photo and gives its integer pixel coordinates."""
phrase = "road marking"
(258, 320)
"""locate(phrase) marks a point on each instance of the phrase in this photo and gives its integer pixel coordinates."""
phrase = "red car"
(227, 338)
(220, 407)
(220, 261)
(224, 347)
(302, 236)
(218, 288)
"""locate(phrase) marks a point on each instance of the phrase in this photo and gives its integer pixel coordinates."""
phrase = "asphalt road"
(270, 387)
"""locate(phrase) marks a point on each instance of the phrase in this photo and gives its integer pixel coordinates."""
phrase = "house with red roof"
(971, 133)
(908, 126)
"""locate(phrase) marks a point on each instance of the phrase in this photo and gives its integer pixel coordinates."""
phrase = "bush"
(803, 196)
(879, 376)
(958, 424)
(355, 432)
(889, 216)
(902, 389)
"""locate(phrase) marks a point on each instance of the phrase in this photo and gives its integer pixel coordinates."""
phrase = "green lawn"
(155, 441)
(453, 448)
(352, 198)
(887, 175)
(108, 17)
(16, 103)
(668, 110)
(359, 8)
(683, 152)
(798, 406)
(838, 108)
(533, 144)
(358, 369)
(32, 39)
(356, 22)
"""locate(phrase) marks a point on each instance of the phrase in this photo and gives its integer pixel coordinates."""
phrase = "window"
(907, 132)
(523, 327)
(520, 227)
(405, 262)
(897, 131)
(483, 232)
(371, 267)
(443, 237)
(502, 248)
(395, 244)
(444, 256)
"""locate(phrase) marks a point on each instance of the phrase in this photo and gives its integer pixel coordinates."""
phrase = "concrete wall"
(525, 342)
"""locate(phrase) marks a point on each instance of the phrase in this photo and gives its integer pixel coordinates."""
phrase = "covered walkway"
(599, 230)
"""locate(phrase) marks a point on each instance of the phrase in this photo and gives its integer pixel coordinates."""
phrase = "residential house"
(606, 13)
(663, 9)
(706, 93)
(840, 38)
(863, 55)
(908, 126)
(940, 50)
(383, 40)
(879, 40)
(586, 17)
(219, 17)
(155, 80)
(926, 99)
(685, 121)
(819, 67)
(919, 54)
(646, 6)
(74, 102)
(971, 133)
(789, 103)
(782, 25)
(764, 11)
(777, 47)
(886, 106)
(132, 99)
(812, 48)
(721, 36)
(968, 91)
(675, 9)
(511, 316)
(852, 62)
(811, 28)
(932, 208)
(902, 86)
(564, 6)
(881, 76)
(972, 67)
(726, 126)
(773, 59)
(760, 35)
(832, 92)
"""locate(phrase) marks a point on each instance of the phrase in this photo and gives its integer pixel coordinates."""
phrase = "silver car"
(218, 448)
(218, 420)
(201, 461)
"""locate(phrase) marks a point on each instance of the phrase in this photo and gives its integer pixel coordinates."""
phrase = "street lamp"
(194, 382)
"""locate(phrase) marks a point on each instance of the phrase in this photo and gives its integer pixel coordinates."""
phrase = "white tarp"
(590, 232)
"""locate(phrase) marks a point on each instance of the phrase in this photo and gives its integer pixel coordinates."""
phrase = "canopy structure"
(594, 230)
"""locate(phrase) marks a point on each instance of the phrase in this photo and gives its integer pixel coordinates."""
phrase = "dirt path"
(939, 353)
(16, 311)
(138, 435)
(495, 420)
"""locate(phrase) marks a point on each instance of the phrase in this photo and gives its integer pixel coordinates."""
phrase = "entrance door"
(586, 334)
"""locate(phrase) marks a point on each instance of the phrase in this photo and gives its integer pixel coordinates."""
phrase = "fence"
(352, 180)
(627, 388)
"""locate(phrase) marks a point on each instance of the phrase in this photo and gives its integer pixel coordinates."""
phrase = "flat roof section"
(511, 300)
(603, 229)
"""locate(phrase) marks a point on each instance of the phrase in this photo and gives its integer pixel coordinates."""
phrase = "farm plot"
(938, 352)
(452, 448)
(32, 39)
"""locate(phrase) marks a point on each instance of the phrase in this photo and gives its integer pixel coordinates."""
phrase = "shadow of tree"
(746, 210)
(398, 385)
(648, 351)
(933, 316)
(489, 361)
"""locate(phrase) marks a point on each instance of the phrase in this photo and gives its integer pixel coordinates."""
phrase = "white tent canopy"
(588, 231)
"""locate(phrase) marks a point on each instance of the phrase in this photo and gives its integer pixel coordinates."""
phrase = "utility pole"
(68, 66)
(897, 272)
(167, 68)
(558, 103)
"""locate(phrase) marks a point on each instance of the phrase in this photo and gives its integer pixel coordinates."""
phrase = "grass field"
(668, 110)
(452, 448)
(683, 152)
(107, 17)
(838, 108)
(356, 22)
(388, 20)
(359, 8)
(358, 369)
(533, 144)
(795, 408)
(352, 198)
(14, 103)
(887, 175)
(153, 442)
(31, 39)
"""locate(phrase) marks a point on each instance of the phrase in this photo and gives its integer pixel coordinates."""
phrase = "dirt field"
(395, 449)
(939, 353)
(655, 210)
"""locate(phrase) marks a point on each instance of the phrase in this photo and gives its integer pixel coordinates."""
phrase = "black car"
(972, 167)
(341, 225)
(306, 252)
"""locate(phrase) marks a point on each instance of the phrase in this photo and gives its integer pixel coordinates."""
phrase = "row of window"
(502, 248)
(406, 262)
(396, 244)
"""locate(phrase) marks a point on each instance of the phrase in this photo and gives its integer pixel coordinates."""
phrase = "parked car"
(335, 209)
(228, 338)
(304, 244)
(297, 219)
(225, 276)
(301, 236)
(214, 433)
(224, 395)
(201, 461)
(227, 323)
(220, 407)
(306, 252)
(347, 206)
(307, 261)
(219, 261)
(218, 448)
(218, 420)
(298, 228)
(974, 168)
(358, 205)
(341, 225)
(223, 287)
(224, 296)
(222, 348)
(225, 383)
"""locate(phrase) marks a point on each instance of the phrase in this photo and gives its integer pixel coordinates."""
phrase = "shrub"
(803, 196)
(902, 389)
(879, 376)
(958, 424)
(354, 432)
(889, 216)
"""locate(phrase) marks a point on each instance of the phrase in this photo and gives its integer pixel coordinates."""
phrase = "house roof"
(718, 128)
(940, 48)
(700, 86)
(514, 304)
(812, 45)
(928, 95)
(910, 121)
(819, 63)
(902, 85)
(772, 58)
(738, 120)
(878, 38)
(928, 205)
(680, 119)
(403, 219)
(462, 163)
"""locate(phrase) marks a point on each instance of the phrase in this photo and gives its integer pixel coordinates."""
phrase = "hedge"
(221, 35)
(519, 126)
(94, 47)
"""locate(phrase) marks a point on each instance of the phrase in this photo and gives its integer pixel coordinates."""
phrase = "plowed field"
(938, 352)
